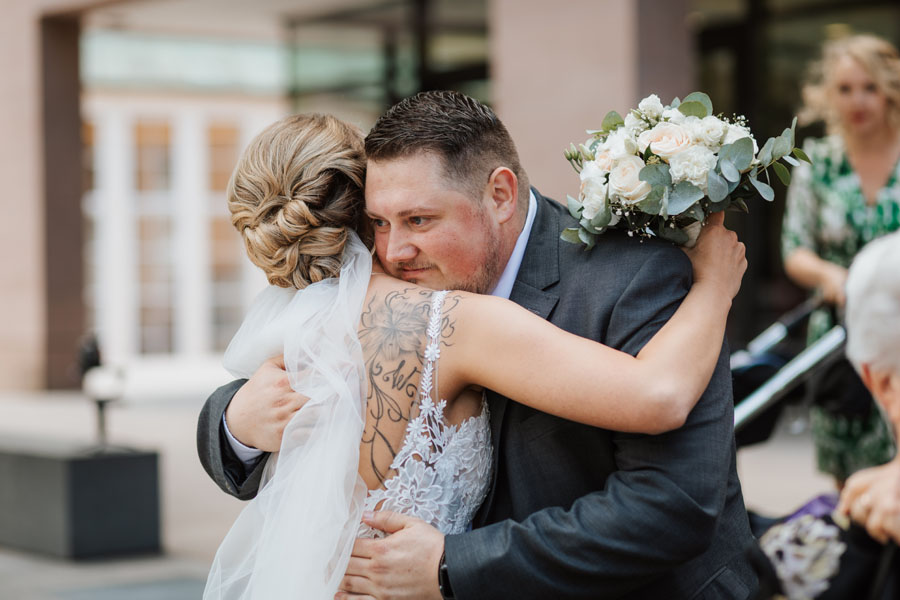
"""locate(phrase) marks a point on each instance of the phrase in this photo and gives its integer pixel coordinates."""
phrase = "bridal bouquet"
(662, 169)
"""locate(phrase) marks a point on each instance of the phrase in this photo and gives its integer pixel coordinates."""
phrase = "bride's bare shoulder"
(389, 294)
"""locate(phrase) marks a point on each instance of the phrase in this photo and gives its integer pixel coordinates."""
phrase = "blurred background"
(120, 123)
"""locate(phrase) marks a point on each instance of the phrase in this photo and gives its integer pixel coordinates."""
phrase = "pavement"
(777, 476)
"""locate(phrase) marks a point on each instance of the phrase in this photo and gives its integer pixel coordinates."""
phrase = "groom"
(573, 511)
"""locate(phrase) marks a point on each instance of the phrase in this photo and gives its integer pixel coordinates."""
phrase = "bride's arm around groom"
(581, 512)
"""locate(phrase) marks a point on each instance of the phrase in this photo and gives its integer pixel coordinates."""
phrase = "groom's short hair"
(465, 133)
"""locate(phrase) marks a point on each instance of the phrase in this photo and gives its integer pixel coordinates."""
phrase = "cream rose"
(624, 181)
(693, 165)
(665, 140)
(604, 160)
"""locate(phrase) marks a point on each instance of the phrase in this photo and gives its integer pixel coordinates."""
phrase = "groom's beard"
(482, 281)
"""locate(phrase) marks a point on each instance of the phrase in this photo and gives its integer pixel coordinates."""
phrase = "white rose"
(673, 115)
(651, 106)
(693, 165)
(624, 181)
(710, 131)
(665, 140)
(593, 189)
(736, 132)
(619, 144)
(635, 125)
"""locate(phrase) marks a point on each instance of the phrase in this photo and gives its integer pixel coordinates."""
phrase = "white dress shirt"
(503, 289)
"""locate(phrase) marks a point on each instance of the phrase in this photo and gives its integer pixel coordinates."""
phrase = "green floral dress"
(827, 213)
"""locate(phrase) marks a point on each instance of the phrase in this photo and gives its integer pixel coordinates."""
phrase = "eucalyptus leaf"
(682, 197)
(693, 109)
(653, 202)
(764, 189)
(801, 155)
(783, 174)
(793, 130)
(783, 145)
(718, 186)
(612, 121)
(586, 225)
(695, 212)
(575, 207)
(765, 155)
(790, 160)
(675, 102)
(602, 218)
(702, 99)
(570, 234)
(729, 171)
(740, 153)
(587, 238)
(655, 175)
(674, 235)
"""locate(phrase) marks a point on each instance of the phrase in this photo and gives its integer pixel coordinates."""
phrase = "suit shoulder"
(616, 251)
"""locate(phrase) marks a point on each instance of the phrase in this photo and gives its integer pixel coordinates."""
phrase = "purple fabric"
(818, 507)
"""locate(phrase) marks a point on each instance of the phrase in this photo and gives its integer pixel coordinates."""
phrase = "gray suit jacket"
(575, 511)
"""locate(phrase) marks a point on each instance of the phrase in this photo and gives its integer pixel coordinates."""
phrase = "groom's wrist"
(444, 585)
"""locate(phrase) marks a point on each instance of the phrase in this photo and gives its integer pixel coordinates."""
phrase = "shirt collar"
(508, 278)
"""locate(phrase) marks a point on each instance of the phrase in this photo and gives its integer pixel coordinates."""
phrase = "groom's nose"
(400, 248)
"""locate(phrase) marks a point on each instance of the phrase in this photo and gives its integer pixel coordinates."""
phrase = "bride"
(393, 372)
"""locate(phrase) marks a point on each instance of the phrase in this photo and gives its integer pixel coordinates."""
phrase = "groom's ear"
(502, 193)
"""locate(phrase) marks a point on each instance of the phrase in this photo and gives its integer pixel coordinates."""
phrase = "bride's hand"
(718, 257)
(262, 408)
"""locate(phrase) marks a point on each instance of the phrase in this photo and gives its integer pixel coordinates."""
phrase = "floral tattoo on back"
(393, 336)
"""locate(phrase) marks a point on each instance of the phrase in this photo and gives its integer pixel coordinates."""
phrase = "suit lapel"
(539, 270)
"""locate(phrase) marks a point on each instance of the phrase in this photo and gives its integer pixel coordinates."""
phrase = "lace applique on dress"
(442, 471)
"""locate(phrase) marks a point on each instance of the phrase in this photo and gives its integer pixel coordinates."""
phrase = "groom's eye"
(418, 220)
(379, 222)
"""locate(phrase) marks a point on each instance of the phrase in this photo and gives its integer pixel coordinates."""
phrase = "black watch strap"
(444, 580)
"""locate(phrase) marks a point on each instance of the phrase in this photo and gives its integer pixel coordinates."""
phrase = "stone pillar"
(63, 187)
(22, 307)
(556, 69)
(40, 164)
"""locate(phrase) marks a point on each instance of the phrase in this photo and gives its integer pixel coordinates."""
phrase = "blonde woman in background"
(848, 196)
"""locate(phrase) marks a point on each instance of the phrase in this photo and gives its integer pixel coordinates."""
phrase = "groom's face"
(429, 231)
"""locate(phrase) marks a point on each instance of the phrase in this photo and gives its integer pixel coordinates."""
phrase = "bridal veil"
(294, 539)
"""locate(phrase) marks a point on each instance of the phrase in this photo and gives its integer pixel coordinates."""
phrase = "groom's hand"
(262, 408)
(402, 565)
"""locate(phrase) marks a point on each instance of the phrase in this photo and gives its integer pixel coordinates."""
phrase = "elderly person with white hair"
(835, 557)
(872, 496)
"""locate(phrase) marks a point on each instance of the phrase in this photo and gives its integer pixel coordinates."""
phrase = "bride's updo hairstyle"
(295, 195)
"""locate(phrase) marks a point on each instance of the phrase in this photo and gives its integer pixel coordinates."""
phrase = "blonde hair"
(295, 195)
(877, 56)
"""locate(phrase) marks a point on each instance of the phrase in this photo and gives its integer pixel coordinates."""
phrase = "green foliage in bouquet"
(661, 170)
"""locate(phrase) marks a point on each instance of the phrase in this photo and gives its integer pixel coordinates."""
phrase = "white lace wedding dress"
(442, 471)
(294, 539)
